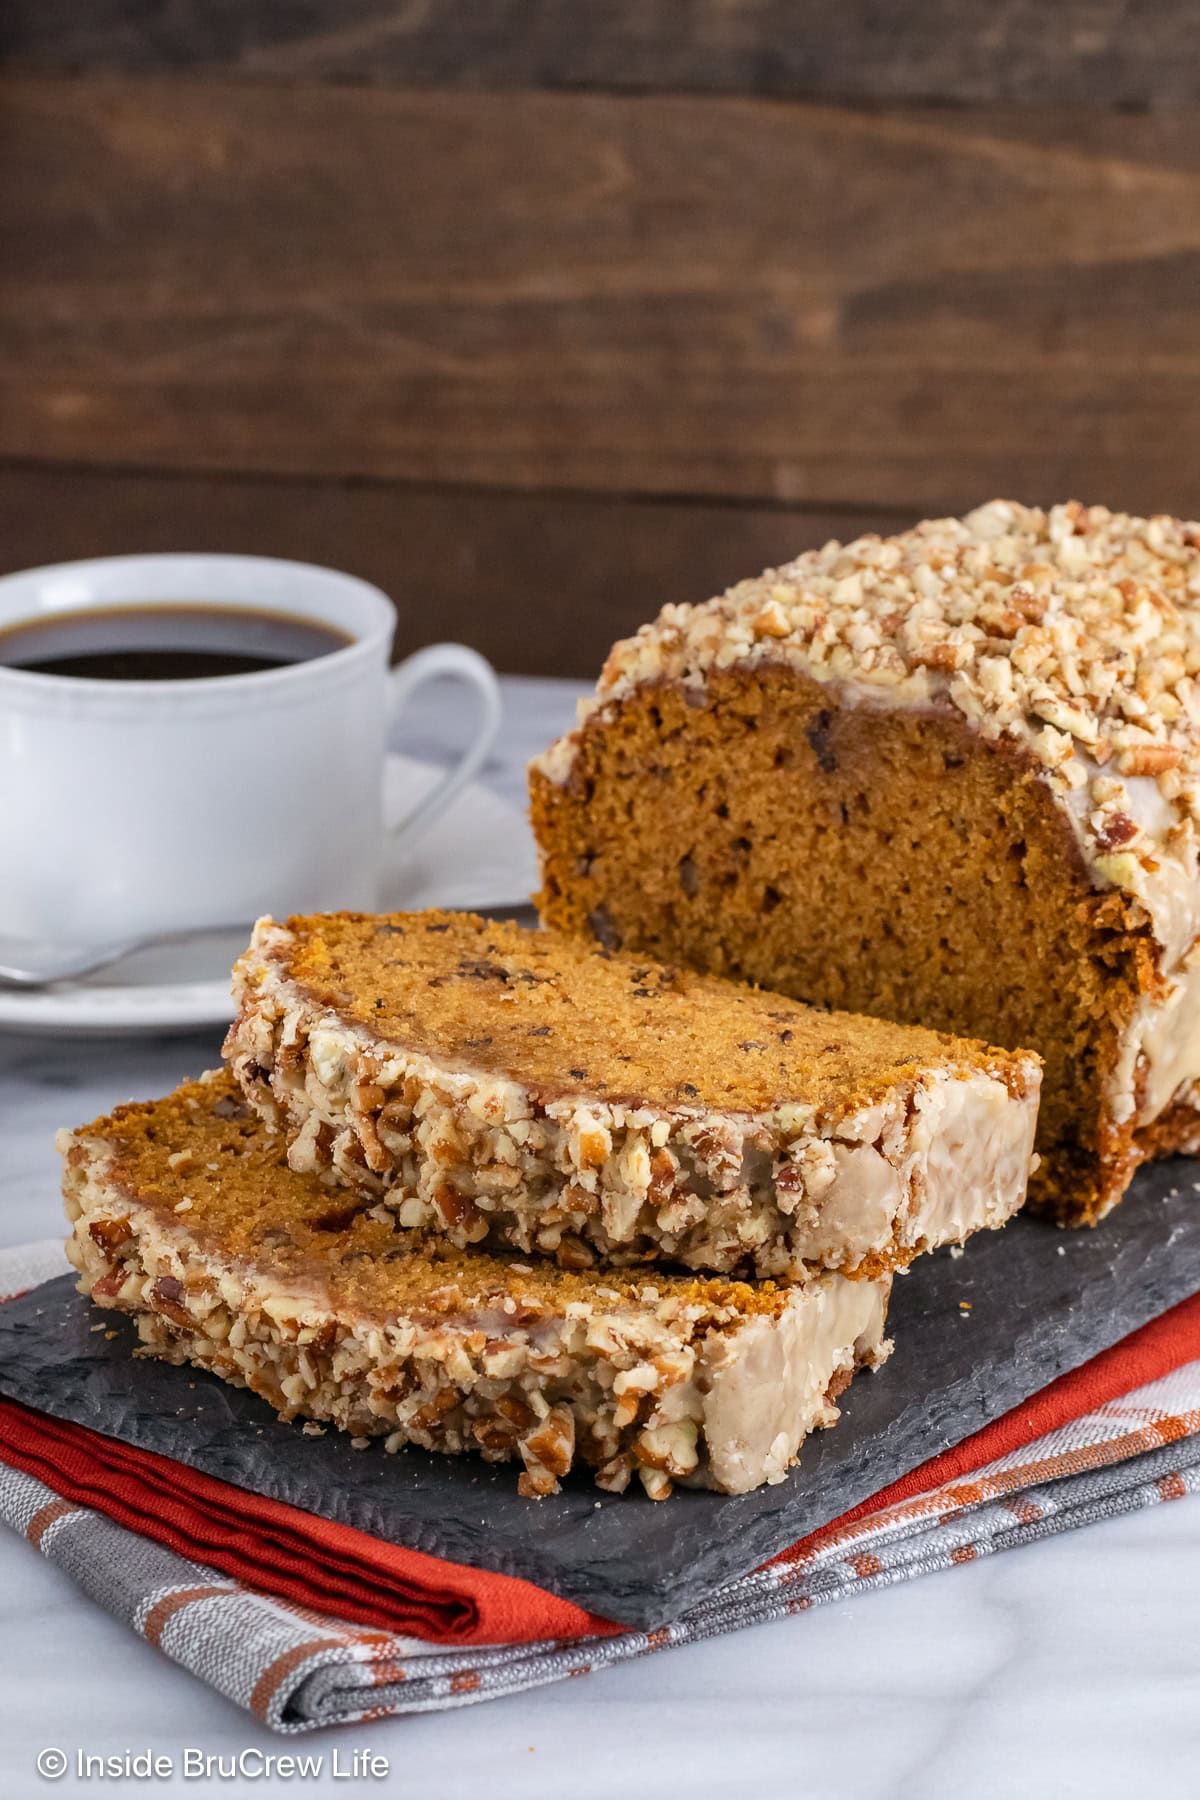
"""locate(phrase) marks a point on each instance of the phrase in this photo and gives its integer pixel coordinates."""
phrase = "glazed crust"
(517, 1087)
(186, 1216)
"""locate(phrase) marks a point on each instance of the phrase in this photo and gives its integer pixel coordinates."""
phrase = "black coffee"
(164, 642)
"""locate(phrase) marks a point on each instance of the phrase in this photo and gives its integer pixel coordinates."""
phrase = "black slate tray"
(1041, 1302)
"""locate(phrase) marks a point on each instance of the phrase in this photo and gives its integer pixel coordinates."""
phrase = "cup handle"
(461, 664)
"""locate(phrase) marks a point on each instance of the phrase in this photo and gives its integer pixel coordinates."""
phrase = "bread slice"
(186, 1216)
(506, 1086)
(950, 776)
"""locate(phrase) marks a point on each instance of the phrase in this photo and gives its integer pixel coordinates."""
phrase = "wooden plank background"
(1111, 52)
(540, 316)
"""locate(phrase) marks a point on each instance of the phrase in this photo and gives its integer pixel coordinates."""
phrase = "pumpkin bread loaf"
(186, 1216)
(948, 777)
(520, 1088)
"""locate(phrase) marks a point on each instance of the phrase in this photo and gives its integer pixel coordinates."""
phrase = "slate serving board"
(1041, 1302)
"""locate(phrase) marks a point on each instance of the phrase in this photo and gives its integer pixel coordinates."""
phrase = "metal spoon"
(34, 963)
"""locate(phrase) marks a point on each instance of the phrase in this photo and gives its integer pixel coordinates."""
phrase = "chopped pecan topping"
(110, 1285)
(493, 1436)
(551, 1445)
(670, 1448)
(1072, 629)
(110, 1234)
(517, 1411)
(167, 1296)
(536, 1484)
(460, 1213)
(573, 1253)
(1149, 759)
(1118, 829)
(663, 1170)
(430, 1415)
(656, 1483)
(614, 1475)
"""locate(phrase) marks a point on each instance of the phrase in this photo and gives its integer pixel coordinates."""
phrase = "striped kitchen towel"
(307, 1623)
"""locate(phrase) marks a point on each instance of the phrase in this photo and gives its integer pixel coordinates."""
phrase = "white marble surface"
(1068, 1668)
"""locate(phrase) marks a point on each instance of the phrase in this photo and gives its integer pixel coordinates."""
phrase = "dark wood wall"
(540, 313)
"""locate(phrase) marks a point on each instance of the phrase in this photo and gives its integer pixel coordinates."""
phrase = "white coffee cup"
(129, 808)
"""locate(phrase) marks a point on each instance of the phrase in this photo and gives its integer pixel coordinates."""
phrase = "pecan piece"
(656, 1484)
(663, 1168)
(512, 1407)
(434, 1409)
(109, 1234)
(110, 1285)
(494, 1437)
(550, 1446)
(716, 1150)
(578, 1202)
(615, 1474)
(166, 1296)
(936, 656)
(670, 1448)
(460, 1214)
(1118, 829)
(536, 1484)
(1148, 759)
(573, 1253)
(289, 1058)
(771, 621)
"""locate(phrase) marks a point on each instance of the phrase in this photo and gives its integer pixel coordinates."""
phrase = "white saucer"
(479, 853)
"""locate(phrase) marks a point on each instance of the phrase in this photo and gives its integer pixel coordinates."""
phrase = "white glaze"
(767, 1382)
(972, 1152)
